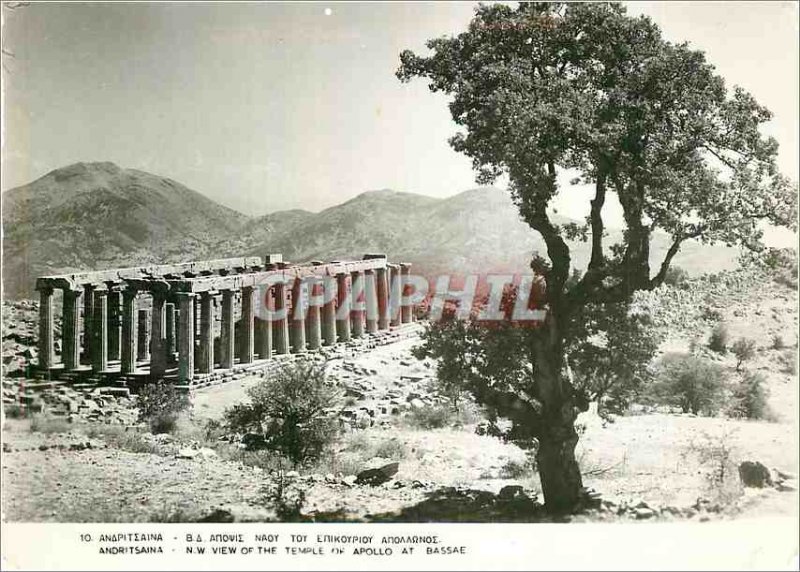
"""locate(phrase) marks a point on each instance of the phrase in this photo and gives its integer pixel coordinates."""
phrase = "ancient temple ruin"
(193, 321)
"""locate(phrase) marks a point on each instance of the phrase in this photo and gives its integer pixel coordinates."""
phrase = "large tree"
(588, 91)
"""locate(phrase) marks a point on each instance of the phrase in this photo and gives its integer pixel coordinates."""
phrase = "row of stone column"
(127, 333)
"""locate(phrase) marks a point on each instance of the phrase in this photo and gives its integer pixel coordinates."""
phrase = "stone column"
(70, 330)
(263, 334)
(88, 326)
(342, 308)
(313, 326)
(405, 309)
(357, 315)
(397, 290)
(247, 347)
(329, 311)
(47, 353)
(370, 301)
(281, 325)
(100, 341)
(114, 325)
(298, 320)
(227, 342)
(382, 291)
(128, 352)
(197, 312)
(186, 349)
(206, 364)
(143, 335)
(171, 345)
(158, 336)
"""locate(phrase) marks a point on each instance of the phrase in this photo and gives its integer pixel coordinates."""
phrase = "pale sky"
(266, 107)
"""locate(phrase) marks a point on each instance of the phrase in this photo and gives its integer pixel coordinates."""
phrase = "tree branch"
(596, 219)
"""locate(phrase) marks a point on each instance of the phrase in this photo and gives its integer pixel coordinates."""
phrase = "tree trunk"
(558, 470)
(559, 473)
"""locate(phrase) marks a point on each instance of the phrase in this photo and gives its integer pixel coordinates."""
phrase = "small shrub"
(392, 449)
(346, 463)
(711, 314)
(173, 515)
(286, 497)
(291, 412)
(689, 382)
(513, 469)
(788, 361)
(358, 441)
(744, 350)
(160, 405)
(123, 438)
(263, 459)
(749, 397)
(676, 276)
(431, 417)
(49, 425)
(718, 342)
(16, 411)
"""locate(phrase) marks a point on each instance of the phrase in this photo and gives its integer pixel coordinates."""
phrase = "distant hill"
(98, 215)
(95, 215)
(474, 231)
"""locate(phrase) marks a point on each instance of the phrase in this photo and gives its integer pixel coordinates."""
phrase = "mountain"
(98, 215)
(474, 231)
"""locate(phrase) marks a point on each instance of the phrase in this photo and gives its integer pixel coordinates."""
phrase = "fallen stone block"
(375, 477)
(754, 474)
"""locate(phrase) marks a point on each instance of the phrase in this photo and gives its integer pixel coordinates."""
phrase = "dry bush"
(392, 448)
(716, 455)
(788, 361)
(130, 439)
(48, 425)
(718, 341)
(749, 399)
(160, 404)
(744, 350)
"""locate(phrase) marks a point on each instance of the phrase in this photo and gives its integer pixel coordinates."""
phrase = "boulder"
(206, 453)
(643, 513)
(754, 474)
(510, 492)
(187, 453)
(375, 477)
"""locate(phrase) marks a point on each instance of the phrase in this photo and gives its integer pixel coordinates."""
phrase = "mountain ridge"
(98, 215)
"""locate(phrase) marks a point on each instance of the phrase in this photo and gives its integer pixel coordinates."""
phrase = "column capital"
(112, 286)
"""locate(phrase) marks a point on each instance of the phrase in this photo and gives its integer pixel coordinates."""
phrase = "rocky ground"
(89, 462)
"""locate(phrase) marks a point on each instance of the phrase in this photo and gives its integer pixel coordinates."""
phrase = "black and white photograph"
(424, 269)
